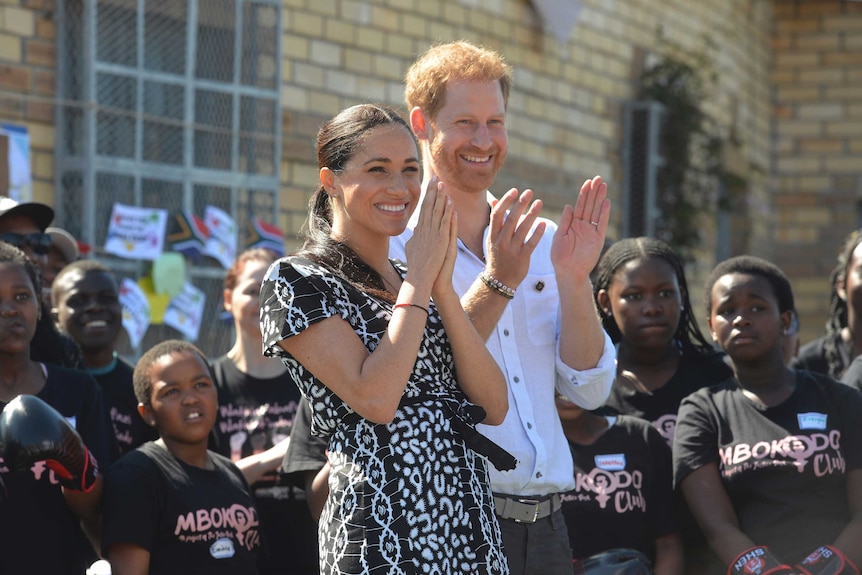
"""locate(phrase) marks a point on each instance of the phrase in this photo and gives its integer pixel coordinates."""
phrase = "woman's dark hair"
(753, 266)
(338, 140)
(141, 377)
(837, 319)
(687, 333)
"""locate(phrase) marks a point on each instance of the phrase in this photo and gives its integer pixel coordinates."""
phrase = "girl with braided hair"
(832, 353)
(662, 356)
(642, 297)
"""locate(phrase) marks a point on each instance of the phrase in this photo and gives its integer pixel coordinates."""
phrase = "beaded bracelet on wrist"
(496, 285)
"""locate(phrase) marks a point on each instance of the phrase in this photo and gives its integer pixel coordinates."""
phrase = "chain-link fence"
(168, 104)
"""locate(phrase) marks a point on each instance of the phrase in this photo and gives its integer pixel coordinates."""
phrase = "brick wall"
(787, 88)
(817, 86)
(565, 122)
(27, 83)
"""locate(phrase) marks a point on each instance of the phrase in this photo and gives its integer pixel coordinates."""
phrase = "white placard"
(223, 237)
(136, 233)
(136, 311)
(186, 311)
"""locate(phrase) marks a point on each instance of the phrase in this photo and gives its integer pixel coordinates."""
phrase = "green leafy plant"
(688, 183)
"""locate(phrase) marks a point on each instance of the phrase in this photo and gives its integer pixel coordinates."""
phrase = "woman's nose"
(651, 306)
(740, 319)
(8, 309)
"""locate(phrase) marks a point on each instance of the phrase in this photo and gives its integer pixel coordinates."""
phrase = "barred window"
(170, 104)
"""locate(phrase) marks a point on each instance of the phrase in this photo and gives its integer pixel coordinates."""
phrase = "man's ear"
(420, 124)
(786, 319)
(711, 332)
(226, 303)
(146, 413)
(55, 314)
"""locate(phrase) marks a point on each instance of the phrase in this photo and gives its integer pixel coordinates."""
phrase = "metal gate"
(170, 104)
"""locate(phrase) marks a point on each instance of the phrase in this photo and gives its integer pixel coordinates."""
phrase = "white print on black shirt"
(121, 422)
(821, 449)
(234, 522)
(624, 487)
(257, 422)
(665, 425)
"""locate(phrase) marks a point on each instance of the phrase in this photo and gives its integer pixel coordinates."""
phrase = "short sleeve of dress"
(695, 437)
(294, 294)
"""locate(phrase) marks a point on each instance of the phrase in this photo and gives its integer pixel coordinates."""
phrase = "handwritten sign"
(223, 231)
(136, 233)
(186, 311)
(136, 311)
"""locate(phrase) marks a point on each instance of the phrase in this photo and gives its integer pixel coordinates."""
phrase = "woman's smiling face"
(379, 186)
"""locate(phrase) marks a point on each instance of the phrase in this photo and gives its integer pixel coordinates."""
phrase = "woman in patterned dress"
(396, 396)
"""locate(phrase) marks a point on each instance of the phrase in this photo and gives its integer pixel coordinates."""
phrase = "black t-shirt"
(191, 520)
(306, 452)
(38, 531)
(624, 493)
(784, 467)
(130, 430)
(254, 415)
(853, 375)
(660, 406)
(812, 356)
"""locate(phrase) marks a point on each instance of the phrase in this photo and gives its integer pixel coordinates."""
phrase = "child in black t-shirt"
(623, 496)
(172, 506)
(770, 462)
(87, 308)
(642, 296)
(45, 508)
(832, 353)
(257, 403)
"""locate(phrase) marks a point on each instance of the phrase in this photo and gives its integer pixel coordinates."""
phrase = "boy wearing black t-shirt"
(87, 308)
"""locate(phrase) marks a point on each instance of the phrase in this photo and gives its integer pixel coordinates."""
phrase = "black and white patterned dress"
(406, 497)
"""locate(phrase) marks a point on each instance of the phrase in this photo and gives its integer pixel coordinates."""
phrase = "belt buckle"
(535, 504)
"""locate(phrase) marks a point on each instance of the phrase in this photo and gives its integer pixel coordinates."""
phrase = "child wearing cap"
(63, 251)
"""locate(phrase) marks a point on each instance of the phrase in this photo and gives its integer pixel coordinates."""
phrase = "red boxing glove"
(757, 561)
(827, 560)
(31, 431)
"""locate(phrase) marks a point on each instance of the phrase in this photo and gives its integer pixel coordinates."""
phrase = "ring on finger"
(594, 223)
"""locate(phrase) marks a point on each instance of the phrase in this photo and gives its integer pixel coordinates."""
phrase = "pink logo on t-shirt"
(822, 449)
(236, 521)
